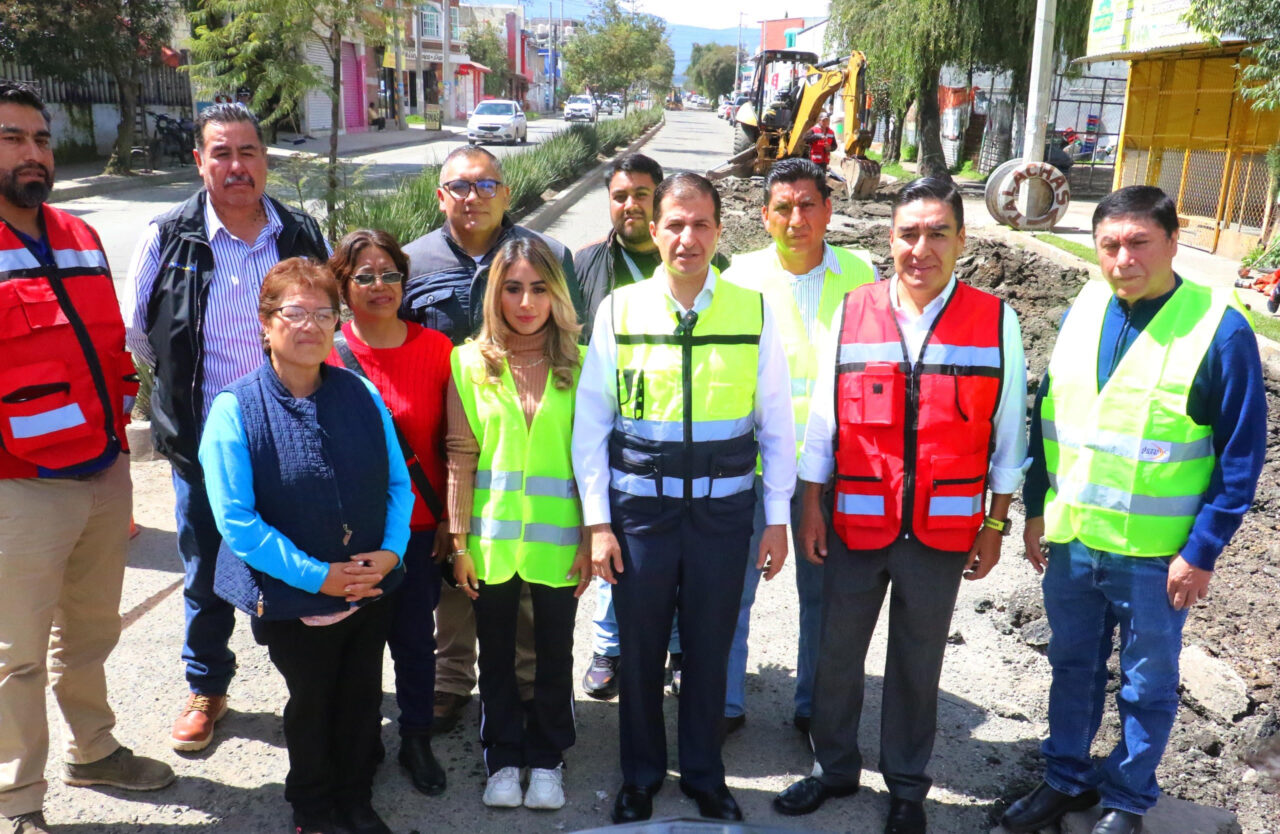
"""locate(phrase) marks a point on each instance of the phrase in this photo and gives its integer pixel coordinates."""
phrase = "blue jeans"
(606, 622)
(412, 638)
(1087, 593)
(210, 619)
(809, 589)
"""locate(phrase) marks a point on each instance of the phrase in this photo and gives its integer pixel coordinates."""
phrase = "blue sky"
(712, 14)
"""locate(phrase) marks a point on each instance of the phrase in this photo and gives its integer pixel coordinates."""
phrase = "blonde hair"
(563, 328)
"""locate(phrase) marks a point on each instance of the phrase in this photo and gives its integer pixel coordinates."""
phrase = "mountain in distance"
(682, 39)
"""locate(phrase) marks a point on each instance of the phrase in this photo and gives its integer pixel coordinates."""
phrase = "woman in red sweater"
(409, 365)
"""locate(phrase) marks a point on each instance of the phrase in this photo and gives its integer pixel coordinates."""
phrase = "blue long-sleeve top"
(228, 476)
(1227, 394)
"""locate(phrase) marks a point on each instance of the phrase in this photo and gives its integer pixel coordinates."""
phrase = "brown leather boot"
(194, 728)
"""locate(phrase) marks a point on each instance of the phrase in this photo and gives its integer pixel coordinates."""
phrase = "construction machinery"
(789, 89)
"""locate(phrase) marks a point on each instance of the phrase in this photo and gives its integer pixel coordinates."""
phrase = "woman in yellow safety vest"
(515, 515)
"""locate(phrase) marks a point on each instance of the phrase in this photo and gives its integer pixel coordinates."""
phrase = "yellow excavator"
(789, 89)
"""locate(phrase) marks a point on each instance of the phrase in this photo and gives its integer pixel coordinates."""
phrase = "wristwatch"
(1000, 525)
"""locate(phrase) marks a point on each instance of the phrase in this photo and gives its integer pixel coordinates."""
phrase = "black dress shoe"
(425, 772)
(601, 680)
(359, 819)
(634, 803)
(906, 816)
(717, 804)
(807, 796)
(1043, 807)
(730, 724)
(319, 822)
(1118, 822)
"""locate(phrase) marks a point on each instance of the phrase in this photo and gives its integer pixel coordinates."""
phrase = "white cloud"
(719, 14)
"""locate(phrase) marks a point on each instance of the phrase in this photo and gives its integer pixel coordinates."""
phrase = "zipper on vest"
(686, 375)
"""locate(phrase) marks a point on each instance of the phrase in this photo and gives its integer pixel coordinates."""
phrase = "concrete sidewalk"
(85, 179)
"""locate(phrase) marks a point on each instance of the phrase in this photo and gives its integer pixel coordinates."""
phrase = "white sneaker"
(503, 789)
(546, 789)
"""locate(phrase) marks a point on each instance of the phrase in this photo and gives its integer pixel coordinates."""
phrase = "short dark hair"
(343, 261)
(683, 184)
(634, 163)
(931, 188)
(796, 170)
(472, 151)
(1145, 201)
(16, 92)
(224, 114)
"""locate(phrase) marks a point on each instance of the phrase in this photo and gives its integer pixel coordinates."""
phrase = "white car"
(580, 107)
(498, 120)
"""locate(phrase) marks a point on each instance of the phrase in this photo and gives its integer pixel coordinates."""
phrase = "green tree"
(714, 71)
(68, 39)
(1257, 21)
(239, 40)
(484, 45)
(617, 49)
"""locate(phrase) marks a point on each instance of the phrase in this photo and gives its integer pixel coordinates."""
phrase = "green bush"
(411, 209)
(909, 152)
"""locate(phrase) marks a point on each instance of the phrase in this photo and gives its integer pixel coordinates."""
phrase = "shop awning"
(467, 67)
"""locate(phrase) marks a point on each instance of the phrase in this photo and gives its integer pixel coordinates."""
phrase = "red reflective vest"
(66, 382)
(915, 435)
(821, 143)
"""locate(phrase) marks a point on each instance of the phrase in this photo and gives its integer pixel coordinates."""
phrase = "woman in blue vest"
(311, 495)
(515, 515)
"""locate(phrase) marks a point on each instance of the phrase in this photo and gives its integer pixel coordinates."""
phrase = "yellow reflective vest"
(526, 517)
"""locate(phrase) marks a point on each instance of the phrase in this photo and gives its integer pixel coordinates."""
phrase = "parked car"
(580, 107)
(498, 120)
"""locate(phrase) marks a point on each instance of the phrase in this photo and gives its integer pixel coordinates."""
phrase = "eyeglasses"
(297, 316)
(461, 188)
(366, 279)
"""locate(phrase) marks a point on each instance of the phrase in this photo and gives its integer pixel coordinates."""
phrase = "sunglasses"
(461, 188)
(366, 279)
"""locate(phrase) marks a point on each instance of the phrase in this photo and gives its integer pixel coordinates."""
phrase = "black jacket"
(446, 289)
(175, 314)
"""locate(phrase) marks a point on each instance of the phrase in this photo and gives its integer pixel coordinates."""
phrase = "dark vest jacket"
(320, 474)
(175, 314)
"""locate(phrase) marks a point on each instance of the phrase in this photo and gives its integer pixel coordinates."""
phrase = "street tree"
(69, 39)
(616, 50)
(714, 70)
(1257, 21)
(484, 45)
(237, 41)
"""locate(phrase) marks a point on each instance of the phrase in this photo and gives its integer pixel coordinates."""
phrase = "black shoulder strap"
(419, 477)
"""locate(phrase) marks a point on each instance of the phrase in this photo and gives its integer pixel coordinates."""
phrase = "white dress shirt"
(597, 408)
(1009, 459)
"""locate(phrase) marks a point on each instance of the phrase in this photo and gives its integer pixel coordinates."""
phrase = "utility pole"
(1037, 193)
(551, 54)
(397, 94)
(446, 71)
(421, 83)
(737, 60)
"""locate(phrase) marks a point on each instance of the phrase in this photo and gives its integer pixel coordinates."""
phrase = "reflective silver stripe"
(551, 534)
(672, 431)
(79, 258)
(46, 422)
(20, 258)
(647, 487)
(551, 487)
(499, 481)
(493, 528)
(1127, 446)
(859, 504)
(877, 352)
(800, 387)
(962, 355)
(1113, 498)
(955, 505)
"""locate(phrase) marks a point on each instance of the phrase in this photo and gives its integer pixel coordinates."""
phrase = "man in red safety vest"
(822, 141)
(66, 388)
(917, 413)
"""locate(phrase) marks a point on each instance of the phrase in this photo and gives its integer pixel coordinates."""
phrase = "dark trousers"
(332, 722)
(412, 639)
(922, 584)
(514, 734)
(209, 618)
(694, 572)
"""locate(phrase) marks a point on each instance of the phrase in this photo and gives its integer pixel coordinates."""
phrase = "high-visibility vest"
(686, 394)
(761, 271)
(914, 435)
(66, 382)
(1127, 466)
(526, 517)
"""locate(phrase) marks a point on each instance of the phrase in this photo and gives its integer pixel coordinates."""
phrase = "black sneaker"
(601, 680)
(674, 672)
(1273, 303)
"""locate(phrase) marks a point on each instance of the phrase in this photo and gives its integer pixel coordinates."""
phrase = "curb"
(110, 184)
(541, 218)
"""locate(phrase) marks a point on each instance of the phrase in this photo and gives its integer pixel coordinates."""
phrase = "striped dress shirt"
(231, 333)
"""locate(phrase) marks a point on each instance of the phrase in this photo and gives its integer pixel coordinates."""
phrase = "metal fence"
(160, 85)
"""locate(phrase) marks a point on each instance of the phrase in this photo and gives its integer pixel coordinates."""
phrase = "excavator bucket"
(741, 164)
(861, 176)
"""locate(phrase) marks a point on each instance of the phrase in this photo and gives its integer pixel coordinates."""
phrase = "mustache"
(35, 166)
(238, 179)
